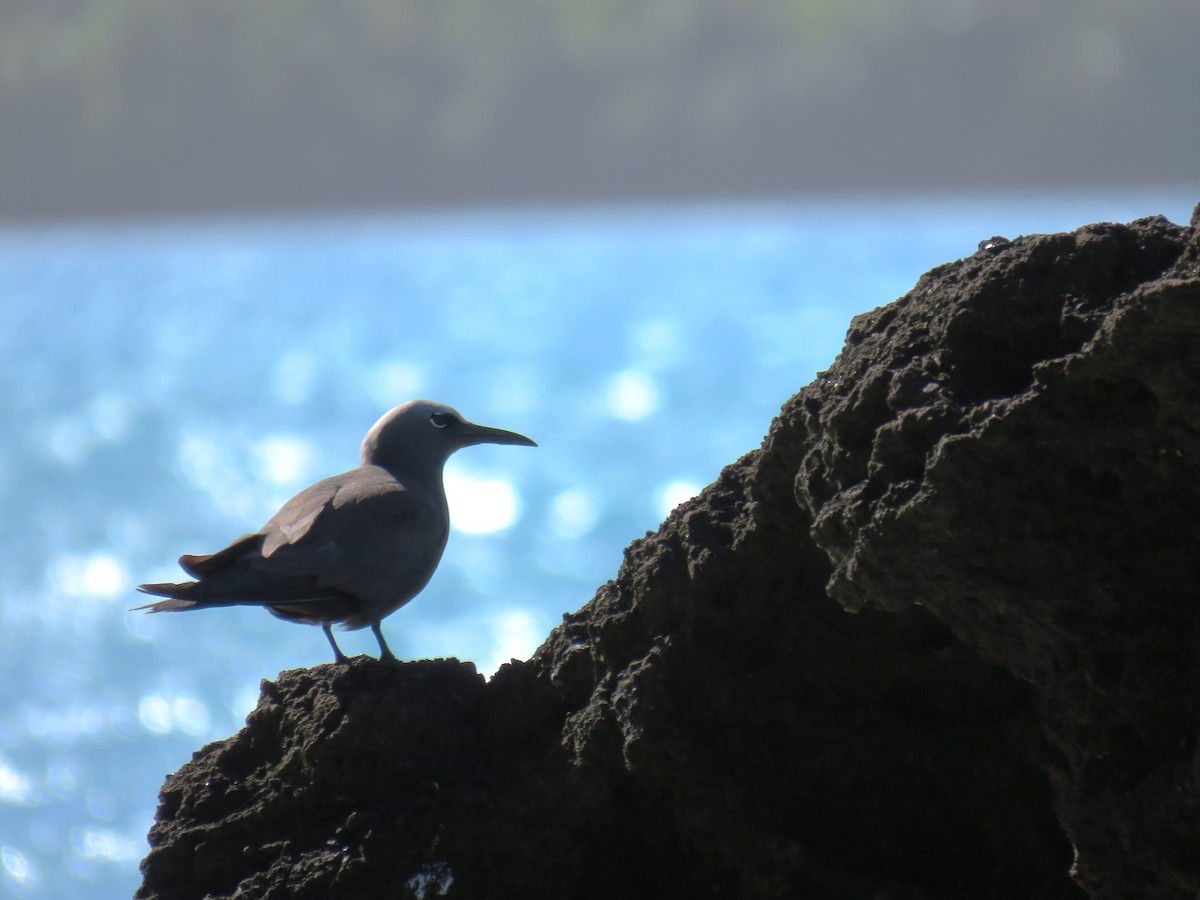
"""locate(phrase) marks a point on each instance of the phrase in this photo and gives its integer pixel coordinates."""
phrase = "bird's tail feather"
(171, 605)
(188, 595)
(202, 595)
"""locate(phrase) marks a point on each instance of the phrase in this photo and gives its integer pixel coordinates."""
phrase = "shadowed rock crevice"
(998, 477)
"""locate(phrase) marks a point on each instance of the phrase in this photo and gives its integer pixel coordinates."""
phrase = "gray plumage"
(351, 549)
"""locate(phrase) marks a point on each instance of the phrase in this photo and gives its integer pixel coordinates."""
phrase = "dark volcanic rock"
(1015, 447)
(1000, 477)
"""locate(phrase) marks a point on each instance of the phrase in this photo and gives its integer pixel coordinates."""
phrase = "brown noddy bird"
(351, 549)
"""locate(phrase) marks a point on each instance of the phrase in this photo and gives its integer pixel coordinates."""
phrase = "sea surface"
(166, 386)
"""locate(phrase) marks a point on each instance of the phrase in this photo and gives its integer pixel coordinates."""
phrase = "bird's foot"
(385, 652)
(338, 656)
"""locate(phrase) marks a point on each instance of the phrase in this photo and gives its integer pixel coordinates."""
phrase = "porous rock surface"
(937, 638)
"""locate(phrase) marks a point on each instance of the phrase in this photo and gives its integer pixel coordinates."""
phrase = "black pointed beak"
(471, 434)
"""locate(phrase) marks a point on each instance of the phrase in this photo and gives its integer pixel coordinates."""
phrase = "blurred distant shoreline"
(138, 109)
(599, 202)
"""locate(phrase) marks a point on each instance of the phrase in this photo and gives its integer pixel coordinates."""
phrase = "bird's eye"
(441, 420)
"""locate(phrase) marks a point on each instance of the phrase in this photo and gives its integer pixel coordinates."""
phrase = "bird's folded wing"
(356, 535)
(199, 566)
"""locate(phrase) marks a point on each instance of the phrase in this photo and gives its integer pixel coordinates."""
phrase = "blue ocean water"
(165, 386)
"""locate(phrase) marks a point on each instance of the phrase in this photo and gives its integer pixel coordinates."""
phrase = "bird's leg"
(338, 655)
(385, 652)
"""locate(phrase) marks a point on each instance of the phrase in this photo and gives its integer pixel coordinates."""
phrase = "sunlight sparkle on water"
(106, 845)
(632, 395)
(657, 343)
(162, 714)
(515, 634)
(243, 701)
(489, 639)
(671, 494)
(15, 865)
(394, 381)
(573, 513)
(109, 416)
(72, 723)
(15, 788)
(480, 505)
(96, 575)
(210, 466)
(283, 459)
(294, 376)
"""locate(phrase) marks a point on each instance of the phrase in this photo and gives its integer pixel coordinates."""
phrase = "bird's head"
(421, 433)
